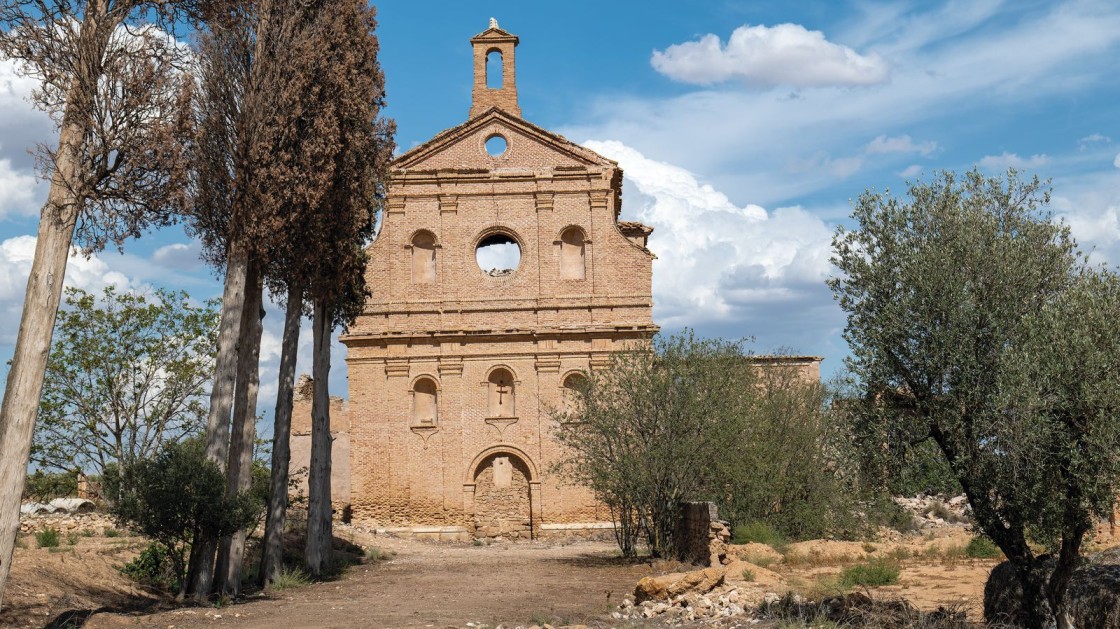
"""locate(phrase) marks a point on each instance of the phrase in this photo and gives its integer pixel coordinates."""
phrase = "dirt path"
(429, 585)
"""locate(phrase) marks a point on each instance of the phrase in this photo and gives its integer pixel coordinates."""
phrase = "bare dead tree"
(109, 77)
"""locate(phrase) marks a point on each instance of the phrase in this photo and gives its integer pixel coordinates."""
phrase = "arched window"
(572, 247)
(423, 257)
(425, 402)
(494, 69)
(500, 394)
(573, 383)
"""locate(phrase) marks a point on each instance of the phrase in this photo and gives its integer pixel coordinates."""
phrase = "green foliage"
(693, 419)
(112, 532)
(126, 373)
(44, 487)
(289, 578)
(975, 325)
(154, 567)
(47, 538)
(870, 574)
(982, 548)
(759, 533)
(178, 497)
(72, 538)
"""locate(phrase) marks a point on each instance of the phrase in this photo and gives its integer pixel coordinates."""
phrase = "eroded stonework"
(454, 368)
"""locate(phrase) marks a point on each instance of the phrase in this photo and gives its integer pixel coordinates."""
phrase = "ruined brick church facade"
(454, 368)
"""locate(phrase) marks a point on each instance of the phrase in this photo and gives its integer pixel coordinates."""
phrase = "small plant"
(540, 619)
(47, 538)
(72, 538)
(154, 566)
(748, 575)
(376, 554)
(899, 553)
(983, 548)
(290, 578)
(868, 548)
(870, 574)
(758, 532)
(478, 542)
(20, 542)
(762, 561)
(86, 533)
(112, 532)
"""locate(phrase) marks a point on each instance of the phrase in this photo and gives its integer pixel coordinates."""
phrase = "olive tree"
(974, 322)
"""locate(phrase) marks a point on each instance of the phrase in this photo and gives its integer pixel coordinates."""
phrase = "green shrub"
(748, 575)
(758, 532)
(44, 487)
(179, 497)
(72, 538)
(870, 574)
(983, 548)
(47, 538)
(154, 566)
(112, 532)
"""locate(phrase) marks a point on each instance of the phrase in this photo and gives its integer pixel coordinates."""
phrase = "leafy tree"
(973, 322)
(692, 419)
(127, 372)
(109, 78)
(179, 497)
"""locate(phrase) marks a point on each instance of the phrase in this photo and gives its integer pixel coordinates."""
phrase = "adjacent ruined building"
(457, 358)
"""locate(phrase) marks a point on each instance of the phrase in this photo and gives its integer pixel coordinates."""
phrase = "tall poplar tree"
(108, 73)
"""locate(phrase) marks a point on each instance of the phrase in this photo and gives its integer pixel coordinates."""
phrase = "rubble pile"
(722, 602)
(936, 511)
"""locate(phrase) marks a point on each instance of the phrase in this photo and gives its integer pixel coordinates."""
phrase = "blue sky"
(745, 130)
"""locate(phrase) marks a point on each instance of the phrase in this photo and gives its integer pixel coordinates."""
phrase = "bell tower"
(495, 71)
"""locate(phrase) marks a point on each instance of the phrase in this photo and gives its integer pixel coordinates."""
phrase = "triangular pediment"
(527, 146)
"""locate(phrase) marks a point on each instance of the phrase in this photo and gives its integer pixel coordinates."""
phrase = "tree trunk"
(272, 553)
(221, 400)
(317, 552)
(33, 342)
(239, 471)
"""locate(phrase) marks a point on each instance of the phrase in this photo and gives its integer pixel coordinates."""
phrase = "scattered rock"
(671, 585)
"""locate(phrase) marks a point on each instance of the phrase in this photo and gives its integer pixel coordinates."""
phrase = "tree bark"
(239, 471)
(317, 552)
(272, 553)
(221, 400)
(33, 342)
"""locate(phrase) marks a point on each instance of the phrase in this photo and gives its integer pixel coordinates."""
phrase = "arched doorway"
(503, 485)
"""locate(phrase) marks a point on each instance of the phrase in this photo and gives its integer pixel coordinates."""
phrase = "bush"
(982, 548)
(154, 566)
(289, 578)
(179, 497)
(758, 532)
(871, 574)
(47, 538)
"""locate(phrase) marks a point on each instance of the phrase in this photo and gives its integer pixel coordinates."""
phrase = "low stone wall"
(95, 523)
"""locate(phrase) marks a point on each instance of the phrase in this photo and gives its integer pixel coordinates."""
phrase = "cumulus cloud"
(18, 191)
(899, 144)
(785, 54)
(90, 274)
(911, 171)
(1012, 160)
(180, 256)
(718, 262)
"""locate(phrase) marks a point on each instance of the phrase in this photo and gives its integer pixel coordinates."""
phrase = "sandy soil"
(426, 584)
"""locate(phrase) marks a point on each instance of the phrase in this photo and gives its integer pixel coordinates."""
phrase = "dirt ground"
(425, 584)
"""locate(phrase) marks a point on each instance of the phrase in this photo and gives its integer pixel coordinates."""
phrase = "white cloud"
(18, 191)
(1012, 160)
(1093, 138)
(899, 144)
(718, 262)
(90, 274)
(181, 256)
(1116, 162)
(911, 171)
(785, 54)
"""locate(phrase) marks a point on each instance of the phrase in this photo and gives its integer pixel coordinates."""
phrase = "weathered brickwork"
(454, 370)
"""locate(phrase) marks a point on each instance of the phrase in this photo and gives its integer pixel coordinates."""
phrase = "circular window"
(498, 255)
(496, 145)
